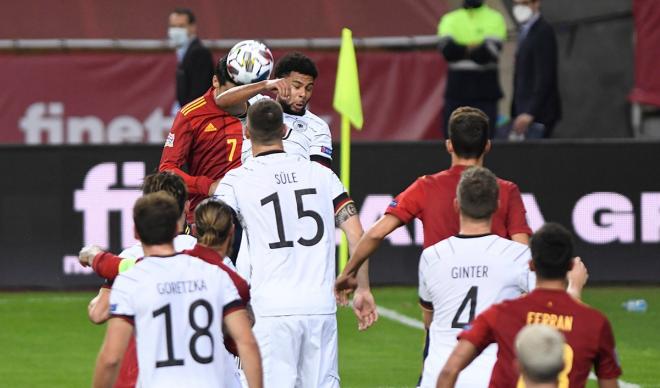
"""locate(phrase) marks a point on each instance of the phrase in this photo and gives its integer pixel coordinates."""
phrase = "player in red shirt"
(204, 138)
(589, 337)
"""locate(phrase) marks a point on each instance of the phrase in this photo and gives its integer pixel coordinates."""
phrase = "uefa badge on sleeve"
(170, 140)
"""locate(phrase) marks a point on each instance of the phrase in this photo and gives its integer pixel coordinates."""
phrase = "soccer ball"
(249, 61)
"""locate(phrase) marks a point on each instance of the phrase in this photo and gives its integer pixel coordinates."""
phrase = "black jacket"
(194, 73)
(535, 88)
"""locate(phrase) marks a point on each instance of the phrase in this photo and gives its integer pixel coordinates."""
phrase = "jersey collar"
(472, 235)
(269, 153)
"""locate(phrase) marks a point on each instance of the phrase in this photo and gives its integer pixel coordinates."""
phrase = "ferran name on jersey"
(181, 287)
(284, 178)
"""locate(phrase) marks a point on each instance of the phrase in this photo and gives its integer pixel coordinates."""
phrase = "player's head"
(552, 251)
(169, 183)
(265, 123)
(182, 26)
(477, 193)
(215, 224)
(221, 75)
(468, 133)
(155, 216)
(301, 73)
(540, 353)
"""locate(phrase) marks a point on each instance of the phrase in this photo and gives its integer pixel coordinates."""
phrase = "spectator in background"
(540, 352)
(194, 68)
(536, 107)
(471, 41)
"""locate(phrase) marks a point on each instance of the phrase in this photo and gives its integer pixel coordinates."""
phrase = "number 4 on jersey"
(470, 297)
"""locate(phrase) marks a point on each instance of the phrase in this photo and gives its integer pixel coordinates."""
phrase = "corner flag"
(348, 104)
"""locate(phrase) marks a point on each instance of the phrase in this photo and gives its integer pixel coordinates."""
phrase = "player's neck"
(551, 284)
(458, 161)
(260, 148)
(159, 250)
(471, 227)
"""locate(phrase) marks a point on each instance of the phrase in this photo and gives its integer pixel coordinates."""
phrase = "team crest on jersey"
(170, 140)
(299, 125)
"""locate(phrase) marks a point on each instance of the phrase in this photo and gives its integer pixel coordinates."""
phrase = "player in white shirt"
(171, 301)
(307, 135)
(289, 207)
(461, 276)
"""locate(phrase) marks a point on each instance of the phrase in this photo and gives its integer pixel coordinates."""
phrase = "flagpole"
(345, 173)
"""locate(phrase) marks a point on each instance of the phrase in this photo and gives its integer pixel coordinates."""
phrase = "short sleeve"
(230, 299)
(606, 363)
(226, 190)
(516, 221)
(321, 142)
(409, 204)
(480, 332)
(526, 277)
(337, 190)
(425, 299)
(121, 298)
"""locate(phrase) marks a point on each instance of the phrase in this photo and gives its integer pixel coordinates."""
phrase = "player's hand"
(344, 286)
(87, 254)
(279, 85)
(577, 278)
(522, 122)
(364, 307)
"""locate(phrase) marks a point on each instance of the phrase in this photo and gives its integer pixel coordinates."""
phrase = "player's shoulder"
(194, 107)
(506, 184)
(184, 242)
(316, 123)
(501, 246)
(437, 252)
(133, 252)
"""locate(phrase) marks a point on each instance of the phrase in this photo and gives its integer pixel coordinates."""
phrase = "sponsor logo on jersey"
(210, 128)
(326, 150)
(170, 140)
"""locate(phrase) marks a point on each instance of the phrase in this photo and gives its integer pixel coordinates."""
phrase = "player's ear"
(457, 207)
(215, 82)
(450, 147)
(283, 130)
(532, 267)
(135, 233)
(487, 147)
(186, 207)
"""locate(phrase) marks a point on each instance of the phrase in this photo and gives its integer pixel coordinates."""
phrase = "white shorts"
(298, 351)
(476, 375)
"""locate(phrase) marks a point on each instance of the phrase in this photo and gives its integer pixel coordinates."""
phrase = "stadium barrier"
(54, 200)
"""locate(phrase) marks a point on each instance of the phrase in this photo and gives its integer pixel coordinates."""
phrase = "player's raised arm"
(116, 341)
(235, 100)
(239, 328)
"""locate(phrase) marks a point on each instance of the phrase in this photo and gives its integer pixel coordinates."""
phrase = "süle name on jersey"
(181, 287)
(285, 177)
(473, 271)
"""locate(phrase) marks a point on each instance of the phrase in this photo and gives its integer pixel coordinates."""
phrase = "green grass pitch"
(46, 340)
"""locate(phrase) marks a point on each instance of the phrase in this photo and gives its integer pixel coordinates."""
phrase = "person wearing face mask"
(536, 105)
(194, 68)
(471, 41)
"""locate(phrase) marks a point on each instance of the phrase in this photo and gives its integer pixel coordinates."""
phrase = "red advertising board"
(127, 97)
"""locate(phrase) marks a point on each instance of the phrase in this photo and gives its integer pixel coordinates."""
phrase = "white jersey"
(460, 277)
(177, 304)
(306, 135)
(286, 205)
(463, 276)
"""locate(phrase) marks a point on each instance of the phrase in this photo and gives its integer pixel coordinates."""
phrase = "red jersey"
(208, 141)
(588, 334)
(431, 199)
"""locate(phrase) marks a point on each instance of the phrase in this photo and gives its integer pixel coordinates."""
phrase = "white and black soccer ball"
(249, 61)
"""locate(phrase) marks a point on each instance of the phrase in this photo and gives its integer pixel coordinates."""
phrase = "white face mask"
(177, 35)
(522, 13)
